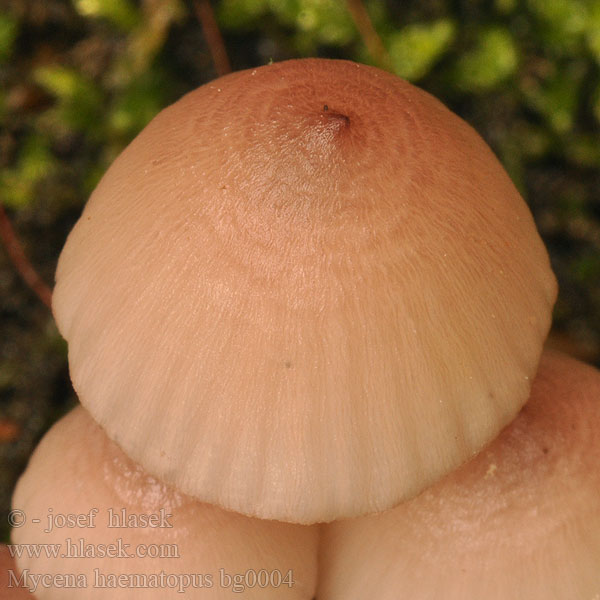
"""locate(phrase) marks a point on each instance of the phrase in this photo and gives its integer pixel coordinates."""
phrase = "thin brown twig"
(369, 35)
(212, 34)
(25, 269)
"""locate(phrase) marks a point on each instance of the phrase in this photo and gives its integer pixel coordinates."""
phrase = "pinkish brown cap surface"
(122, 534)
(521, 520)
(304, 292)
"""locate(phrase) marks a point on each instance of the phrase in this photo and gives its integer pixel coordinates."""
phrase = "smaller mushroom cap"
(76, 469)
(521, 521)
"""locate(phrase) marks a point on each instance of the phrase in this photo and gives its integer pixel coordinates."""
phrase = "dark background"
(79, 79)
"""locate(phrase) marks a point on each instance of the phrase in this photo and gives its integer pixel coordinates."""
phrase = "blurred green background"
(80, 78)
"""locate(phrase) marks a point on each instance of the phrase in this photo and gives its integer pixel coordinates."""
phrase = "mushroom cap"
(76, 468)
(304, 291)
(521, 521)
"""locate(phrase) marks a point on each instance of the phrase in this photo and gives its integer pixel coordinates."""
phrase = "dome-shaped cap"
(303, 292)
(116, 532)
(521, 520)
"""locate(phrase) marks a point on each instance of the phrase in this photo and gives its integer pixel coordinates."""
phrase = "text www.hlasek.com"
(79, 548)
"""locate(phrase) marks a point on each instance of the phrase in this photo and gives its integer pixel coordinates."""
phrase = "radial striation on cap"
(521, 521)
(122, 534)
(304, 292)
